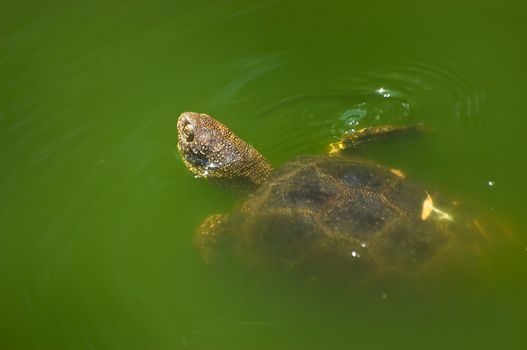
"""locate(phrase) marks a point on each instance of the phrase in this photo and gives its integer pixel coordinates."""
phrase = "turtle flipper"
(368, 135)
(210, 237)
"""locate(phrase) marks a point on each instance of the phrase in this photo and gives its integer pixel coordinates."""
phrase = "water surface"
(97, 212)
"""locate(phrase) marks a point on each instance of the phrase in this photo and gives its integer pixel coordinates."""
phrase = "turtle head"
(204, 145)
(210, 150)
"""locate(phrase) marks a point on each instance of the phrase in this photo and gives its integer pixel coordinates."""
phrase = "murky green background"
(97, 212)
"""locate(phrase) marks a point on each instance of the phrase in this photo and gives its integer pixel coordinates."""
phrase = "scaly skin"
(210, 150)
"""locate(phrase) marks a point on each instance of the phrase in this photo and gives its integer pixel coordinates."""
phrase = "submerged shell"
(333, 216)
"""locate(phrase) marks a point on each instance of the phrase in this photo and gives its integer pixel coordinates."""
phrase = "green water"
(97, 212)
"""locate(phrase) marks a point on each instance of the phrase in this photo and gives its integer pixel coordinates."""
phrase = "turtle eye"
(188, 131)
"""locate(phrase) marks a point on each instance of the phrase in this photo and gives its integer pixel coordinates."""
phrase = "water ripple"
(447, 88)
(248, 69)
(443, 97)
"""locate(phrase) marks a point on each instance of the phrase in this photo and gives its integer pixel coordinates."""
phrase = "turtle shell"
(345, 218)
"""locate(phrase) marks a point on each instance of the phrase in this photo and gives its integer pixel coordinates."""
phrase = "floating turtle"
(329, 217)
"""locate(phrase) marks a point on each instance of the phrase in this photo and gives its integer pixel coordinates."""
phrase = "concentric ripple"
(442, 97)
(447, 96)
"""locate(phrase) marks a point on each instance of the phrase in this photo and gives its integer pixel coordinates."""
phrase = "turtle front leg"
(211, 236)
(359, 138)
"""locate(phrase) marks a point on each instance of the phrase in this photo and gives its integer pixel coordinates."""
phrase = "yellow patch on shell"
(428, 206)
(428, 209)
(336, 147)
(398, 173)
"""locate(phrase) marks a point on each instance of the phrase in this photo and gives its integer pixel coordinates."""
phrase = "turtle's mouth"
(196, 158)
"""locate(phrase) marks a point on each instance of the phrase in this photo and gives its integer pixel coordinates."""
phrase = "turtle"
(332, 217)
